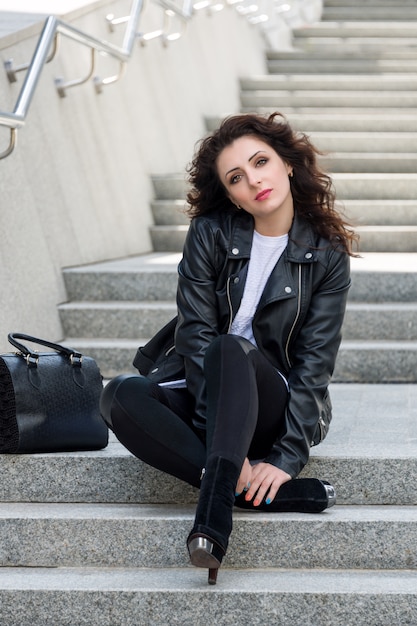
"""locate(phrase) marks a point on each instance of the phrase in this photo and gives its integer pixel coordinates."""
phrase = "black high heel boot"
(208, 540)
(303, 495)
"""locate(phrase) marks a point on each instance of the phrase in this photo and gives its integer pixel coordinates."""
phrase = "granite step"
(370, 13)
(378, 361)
(403, 5)
(357, 362)
(347, 121)
(375, 186)
(388, 238)
(116, 319)
(389, 143)
(370, 448)
(297, 62)
(150, 597)
(129, 320)
(376, 277)
(331, 82)
(361, 28)
(391, 238)
(370, 162)
(371, 212)
(374, 47)
(349, 186)
(320, 50)
(382, 212)
(278, 99)
(154, 536)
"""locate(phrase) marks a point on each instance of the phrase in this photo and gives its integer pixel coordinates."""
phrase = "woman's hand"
(265, 481)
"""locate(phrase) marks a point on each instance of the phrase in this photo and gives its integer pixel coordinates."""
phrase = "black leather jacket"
(297, 324)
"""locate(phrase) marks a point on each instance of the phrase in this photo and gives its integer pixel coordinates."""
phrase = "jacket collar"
(302, 242)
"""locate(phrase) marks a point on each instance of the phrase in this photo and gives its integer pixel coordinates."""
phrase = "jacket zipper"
(229, 301)
(287, 345)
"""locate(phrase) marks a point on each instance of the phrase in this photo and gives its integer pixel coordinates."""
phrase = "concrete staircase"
(99, 538)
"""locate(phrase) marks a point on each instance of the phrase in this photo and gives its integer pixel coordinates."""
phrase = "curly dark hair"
(312, 189)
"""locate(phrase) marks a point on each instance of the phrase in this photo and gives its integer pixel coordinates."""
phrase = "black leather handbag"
(49, 401)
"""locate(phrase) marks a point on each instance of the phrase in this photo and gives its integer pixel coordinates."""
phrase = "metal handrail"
(52, 27)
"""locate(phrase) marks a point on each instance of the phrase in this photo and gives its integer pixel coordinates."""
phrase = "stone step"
(377, 212)
(357, 11)
(382, 212)
(154, 536)
(320, 49)
(371, 162)
(402, 5)
(349, 186)
(376, 362)
(298, 63)
(347, 121)
(380, 321)
(376, 277)
(168, 238)
(145, 277)
(331, 82)
(278, 99)
(128, 320)
(374, 47)
(357, 361)
(169, 212)
(360, 29)
(143, 597)
(372, 142)
(375, 186)
(116, 319)
(388, 238)
(366, 466)
(373, 238)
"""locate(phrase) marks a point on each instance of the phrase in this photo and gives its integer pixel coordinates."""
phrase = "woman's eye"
(235, 179)
(261, 161)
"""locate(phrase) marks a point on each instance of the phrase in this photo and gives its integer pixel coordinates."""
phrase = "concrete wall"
(77, 188)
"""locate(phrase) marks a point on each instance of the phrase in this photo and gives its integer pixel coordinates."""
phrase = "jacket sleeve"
(313, 359)
(197, 308)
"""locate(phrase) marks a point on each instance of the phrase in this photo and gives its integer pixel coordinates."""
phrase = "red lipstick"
(264, 194)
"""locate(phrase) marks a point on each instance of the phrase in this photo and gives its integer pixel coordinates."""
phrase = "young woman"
(261, 297)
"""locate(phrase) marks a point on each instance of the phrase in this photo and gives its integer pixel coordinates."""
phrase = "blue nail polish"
(268, 500)
(237, 493)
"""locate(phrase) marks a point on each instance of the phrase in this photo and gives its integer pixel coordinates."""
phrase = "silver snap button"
(236, 280)
(287, 289)
(235, 251)
(308, 255)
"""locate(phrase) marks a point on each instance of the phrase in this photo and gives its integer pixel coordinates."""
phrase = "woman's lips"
(264, 194)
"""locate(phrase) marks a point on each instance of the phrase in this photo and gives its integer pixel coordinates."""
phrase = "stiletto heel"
(205, 553)
(212, 576)
(208, 540)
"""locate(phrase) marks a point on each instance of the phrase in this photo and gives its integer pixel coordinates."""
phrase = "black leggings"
(246, 399)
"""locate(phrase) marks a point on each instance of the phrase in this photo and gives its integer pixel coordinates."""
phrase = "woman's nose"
(253, 178)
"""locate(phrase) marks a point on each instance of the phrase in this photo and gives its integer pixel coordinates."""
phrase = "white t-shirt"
(264, 256)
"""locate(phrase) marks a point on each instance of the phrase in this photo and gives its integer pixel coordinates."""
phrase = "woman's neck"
(274, 226)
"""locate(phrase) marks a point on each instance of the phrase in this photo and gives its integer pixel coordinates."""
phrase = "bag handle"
(74, 356)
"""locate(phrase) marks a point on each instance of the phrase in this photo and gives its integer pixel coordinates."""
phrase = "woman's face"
(257, 180)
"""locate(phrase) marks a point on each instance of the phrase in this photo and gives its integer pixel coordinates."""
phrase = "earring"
(291, 174)
(239, 207)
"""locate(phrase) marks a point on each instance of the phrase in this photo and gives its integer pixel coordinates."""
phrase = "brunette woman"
(261, 297)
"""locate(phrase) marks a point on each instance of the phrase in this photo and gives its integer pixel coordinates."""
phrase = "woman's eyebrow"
(249, 160)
